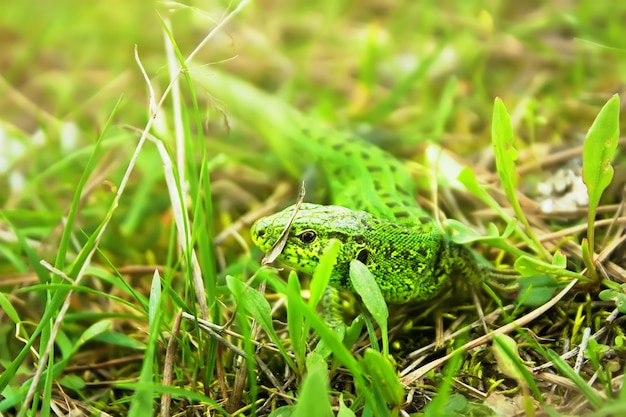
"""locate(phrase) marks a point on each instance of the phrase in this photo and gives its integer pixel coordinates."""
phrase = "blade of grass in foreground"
(143, 398)
(313, 395)
(259, 308)
(340, 352)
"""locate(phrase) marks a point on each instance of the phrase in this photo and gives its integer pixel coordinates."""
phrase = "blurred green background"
(384, 68)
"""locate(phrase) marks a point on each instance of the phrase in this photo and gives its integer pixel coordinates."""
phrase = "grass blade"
(506, 155)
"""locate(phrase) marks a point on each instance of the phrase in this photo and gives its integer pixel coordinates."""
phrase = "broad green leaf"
(505, 152)
(559, 259)
(353, 332)
(325, 349)
(618, 296)
(365, 285)
(385, 379)
(8, 309)
(295, 320)
(505, 361)
(463, 234)
(321, 276)
(511, 364)
(468, 179)
(73, 382)
(598, 152)
(528, 266)
(257, 306)
(120, 339)
(456, 405)
(284, 411)
(536, 290)
(314, 393)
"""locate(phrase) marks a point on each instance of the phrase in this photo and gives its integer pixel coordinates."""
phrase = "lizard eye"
(308, 236)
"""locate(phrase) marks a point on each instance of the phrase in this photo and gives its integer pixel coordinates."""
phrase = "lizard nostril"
(260, 233)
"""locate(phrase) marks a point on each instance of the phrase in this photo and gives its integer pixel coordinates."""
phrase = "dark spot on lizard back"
(401, 190)
(378, 185)
(365, 155)
(401, 214)
(366, 224)
(342, 237)
(363, 255)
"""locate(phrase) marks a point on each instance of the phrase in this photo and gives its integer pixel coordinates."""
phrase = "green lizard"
(374, 214)
(378, 221)
(409, 263)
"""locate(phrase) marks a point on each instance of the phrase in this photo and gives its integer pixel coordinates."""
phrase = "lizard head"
(311, 231)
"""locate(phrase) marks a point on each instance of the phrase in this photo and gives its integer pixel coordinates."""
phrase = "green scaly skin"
(409, 263)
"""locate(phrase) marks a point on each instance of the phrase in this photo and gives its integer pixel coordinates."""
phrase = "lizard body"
(374, 211)
(376, 218)
(409, 263)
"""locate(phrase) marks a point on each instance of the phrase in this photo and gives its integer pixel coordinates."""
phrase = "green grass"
(117, 229)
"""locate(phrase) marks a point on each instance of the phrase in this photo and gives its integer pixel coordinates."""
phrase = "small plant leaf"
(344, 411)
(257, 306)
(536, 290)
(295, 320)
(529, 266)
(94, 330)
(385, 379)
(321, 276)
(73, 382)
(313, 395)
(7, 307)
(618, 296)
(155, 297)
(505, 363)
(506, 155)
(598, 152)
(365, 285)
(511, 364)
